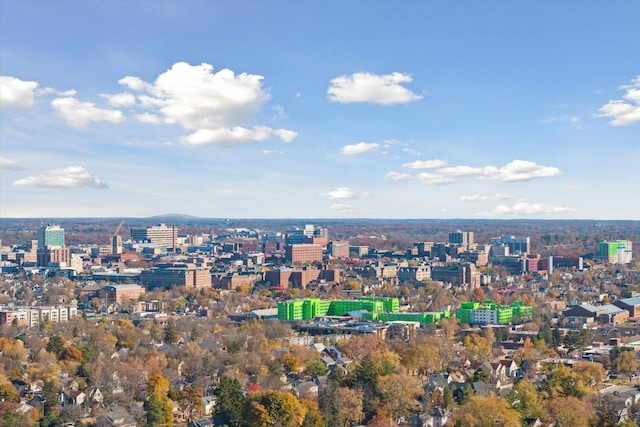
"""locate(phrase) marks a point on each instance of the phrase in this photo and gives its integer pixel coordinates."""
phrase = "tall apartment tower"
(460, 237)
(116, 245)
(516, 245)
(51, 236)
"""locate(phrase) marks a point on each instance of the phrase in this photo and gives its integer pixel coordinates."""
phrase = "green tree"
(530, 404)
(170, 333)
(231, 401)
(158, 411)
(55, 345)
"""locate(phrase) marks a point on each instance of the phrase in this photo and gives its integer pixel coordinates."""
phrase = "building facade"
(159, 234)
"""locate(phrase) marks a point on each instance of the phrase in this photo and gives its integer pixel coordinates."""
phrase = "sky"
(320, 109)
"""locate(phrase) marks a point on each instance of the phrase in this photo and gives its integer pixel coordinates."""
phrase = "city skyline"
(319, 110)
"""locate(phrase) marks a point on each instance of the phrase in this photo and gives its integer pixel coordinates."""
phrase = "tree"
(342, 406)
(313, 417)
(570, 411)
(55, 345)
(485, 412)
(158, 411)
(623, 361)
(562, 381)
(157, 385)
(170, 333)
(231, 401)
(398, 395)
(530, 403)
(274, 408)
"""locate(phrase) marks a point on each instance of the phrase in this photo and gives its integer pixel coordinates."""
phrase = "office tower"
(459, 237)
(516, 245)
(159, 234)
(51, 236)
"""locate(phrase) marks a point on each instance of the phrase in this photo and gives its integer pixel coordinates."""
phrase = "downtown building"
(616, 252)
(51, 249)
(180, 275)
(158, 234)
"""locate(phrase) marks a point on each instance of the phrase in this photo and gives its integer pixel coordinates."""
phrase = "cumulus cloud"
(216, 107)
(434, 179)
(384, 89)
(79, 114)
(425, 164)
(16, 93)
(120, 100)
(340, 207)
(397, 176)
(519, 170)
(624, 111)
(9, 165)
(69, 177)
(516, 170)
(148, 118)
(479, 198)
(359, 148)
(525, 208)
(340, 193)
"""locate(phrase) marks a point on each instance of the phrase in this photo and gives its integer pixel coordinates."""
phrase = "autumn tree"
(570, 411)
(529, 403)
(342, 406)
(485, 412)
(623, 361)
(274, 408)
(157, 407)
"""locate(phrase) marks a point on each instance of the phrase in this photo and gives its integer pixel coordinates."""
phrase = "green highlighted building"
(380, 309)
(490, 313)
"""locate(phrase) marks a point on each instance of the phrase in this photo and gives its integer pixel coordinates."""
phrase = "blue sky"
(383, 109)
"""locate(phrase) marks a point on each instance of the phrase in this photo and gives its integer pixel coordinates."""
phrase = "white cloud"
(624, 112)
(477, 197)
(425, 164)
(120, 100)
(376, 89)
(216, 106)
(69, 177)
(340, 207)
(574, 121)
(519, 170)
(411, 151)
(226, 136)
(461, 171)
(16, 93)
(359, 148)
(9, 165)
(525, 208)
(434, 179)
(148, 118)
(340, 193)
(397, 176)
(79, 114)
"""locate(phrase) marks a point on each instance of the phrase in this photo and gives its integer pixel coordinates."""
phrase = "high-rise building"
(340, 248)
(460, 237)
(116, 245)
(159, 234)
(51, 236)
(516, 245)
(616, 252)
(304, 253)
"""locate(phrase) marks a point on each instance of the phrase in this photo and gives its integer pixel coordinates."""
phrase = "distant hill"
(173, 217)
